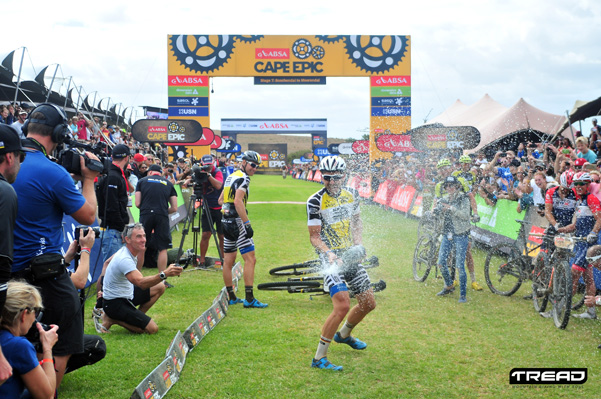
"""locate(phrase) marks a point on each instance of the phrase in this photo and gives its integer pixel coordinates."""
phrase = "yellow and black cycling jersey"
(334, 215)
(236, 181)
(469, 177)
(438, 192)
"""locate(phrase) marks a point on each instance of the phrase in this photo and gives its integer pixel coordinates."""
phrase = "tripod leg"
(205, 208)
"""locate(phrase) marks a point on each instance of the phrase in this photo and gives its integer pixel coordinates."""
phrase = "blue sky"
(547, 52)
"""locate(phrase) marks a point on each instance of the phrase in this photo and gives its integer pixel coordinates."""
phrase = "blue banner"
(236, 148)
(389, 111)
(321, 152)
(188, 101)
(389, 101)
(188, 111)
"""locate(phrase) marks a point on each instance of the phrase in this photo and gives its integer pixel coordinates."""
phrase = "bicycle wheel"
(561, 298)
(540, 283)
(297, 269)
(503, 269)
(292, 286)
(423, 258)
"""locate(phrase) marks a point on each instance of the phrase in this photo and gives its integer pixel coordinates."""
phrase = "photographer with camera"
(128, 294)
(23, 305)
(45, 193)
(208, 187)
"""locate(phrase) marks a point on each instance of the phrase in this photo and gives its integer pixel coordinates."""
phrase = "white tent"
(498, 123)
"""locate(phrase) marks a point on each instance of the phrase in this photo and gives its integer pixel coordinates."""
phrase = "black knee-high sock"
(249, 293)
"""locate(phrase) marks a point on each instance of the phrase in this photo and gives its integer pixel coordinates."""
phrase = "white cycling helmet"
(332, 163)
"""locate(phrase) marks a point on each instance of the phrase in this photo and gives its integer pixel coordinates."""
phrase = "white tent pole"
(571, 130)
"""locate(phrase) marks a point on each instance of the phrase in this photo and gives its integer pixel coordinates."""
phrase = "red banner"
(317, 176)
(385, 192)
(360, 147)
(395, 143)
(401, 201)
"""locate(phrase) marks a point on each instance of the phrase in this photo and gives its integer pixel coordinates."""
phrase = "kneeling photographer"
(45, 193)
(208, 185)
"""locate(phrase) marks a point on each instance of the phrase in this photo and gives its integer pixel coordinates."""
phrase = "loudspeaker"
(54, 117)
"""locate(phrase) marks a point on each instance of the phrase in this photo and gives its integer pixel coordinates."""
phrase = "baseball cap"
(206, 159)
(155, 168)
(139, 157)
(120, 151)
(9, 140)
(22, 112)
(579, 162)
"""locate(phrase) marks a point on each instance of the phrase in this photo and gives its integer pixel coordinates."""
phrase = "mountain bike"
(425, 256)
(314, 266)
(552, 280)
(312, 284)
(507, 265)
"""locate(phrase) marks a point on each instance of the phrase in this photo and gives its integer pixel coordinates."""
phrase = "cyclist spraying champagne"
(335, 226)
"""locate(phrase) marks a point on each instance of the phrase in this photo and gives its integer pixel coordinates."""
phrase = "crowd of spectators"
(521, 174)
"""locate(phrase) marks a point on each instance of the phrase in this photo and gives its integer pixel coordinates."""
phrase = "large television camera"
(200, 173)
(70, 157)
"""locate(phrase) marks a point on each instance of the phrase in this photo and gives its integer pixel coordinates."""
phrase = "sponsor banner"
(272, 155)
(401, 200)
(274, 125)
(151, 387)
(216, 142)
(189, 111)
(385, 124)
(360, 146)
(236, 148)
(226, 144)
(206, 138)
(396, 91)
(319, 140)
(188, 101)
(188, 91)
(306, 160)
(333, 149)
(174, 218)
(417, 209)
(292, 80)
(438, 137)
(321, 152)
(166, 130)
(365, 187)
(496, 220)
(288, 55)
(394, 143)
(385, 192)
(345, 149)
(390, 81)
(181, 80)
(390, 101)
(390, 111)
(353, 182)
(179, 350)
(316, 176)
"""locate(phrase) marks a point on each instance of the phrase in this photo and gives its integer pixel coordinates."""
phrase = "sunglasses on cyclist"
(580, 183)
(253, 165)
(331, 177)
(592, 259)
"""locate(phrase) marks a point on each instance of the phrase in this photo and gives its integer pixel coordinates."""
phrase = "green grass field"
(419, 345)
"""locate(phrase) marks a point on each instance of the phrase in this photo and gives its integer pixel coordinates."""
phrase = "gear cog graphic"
(179, 151)
(173, 127)
(330, 38)
(318, 52)
(302, 49)
(376, 53)
(249, 38)
(202, 53)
